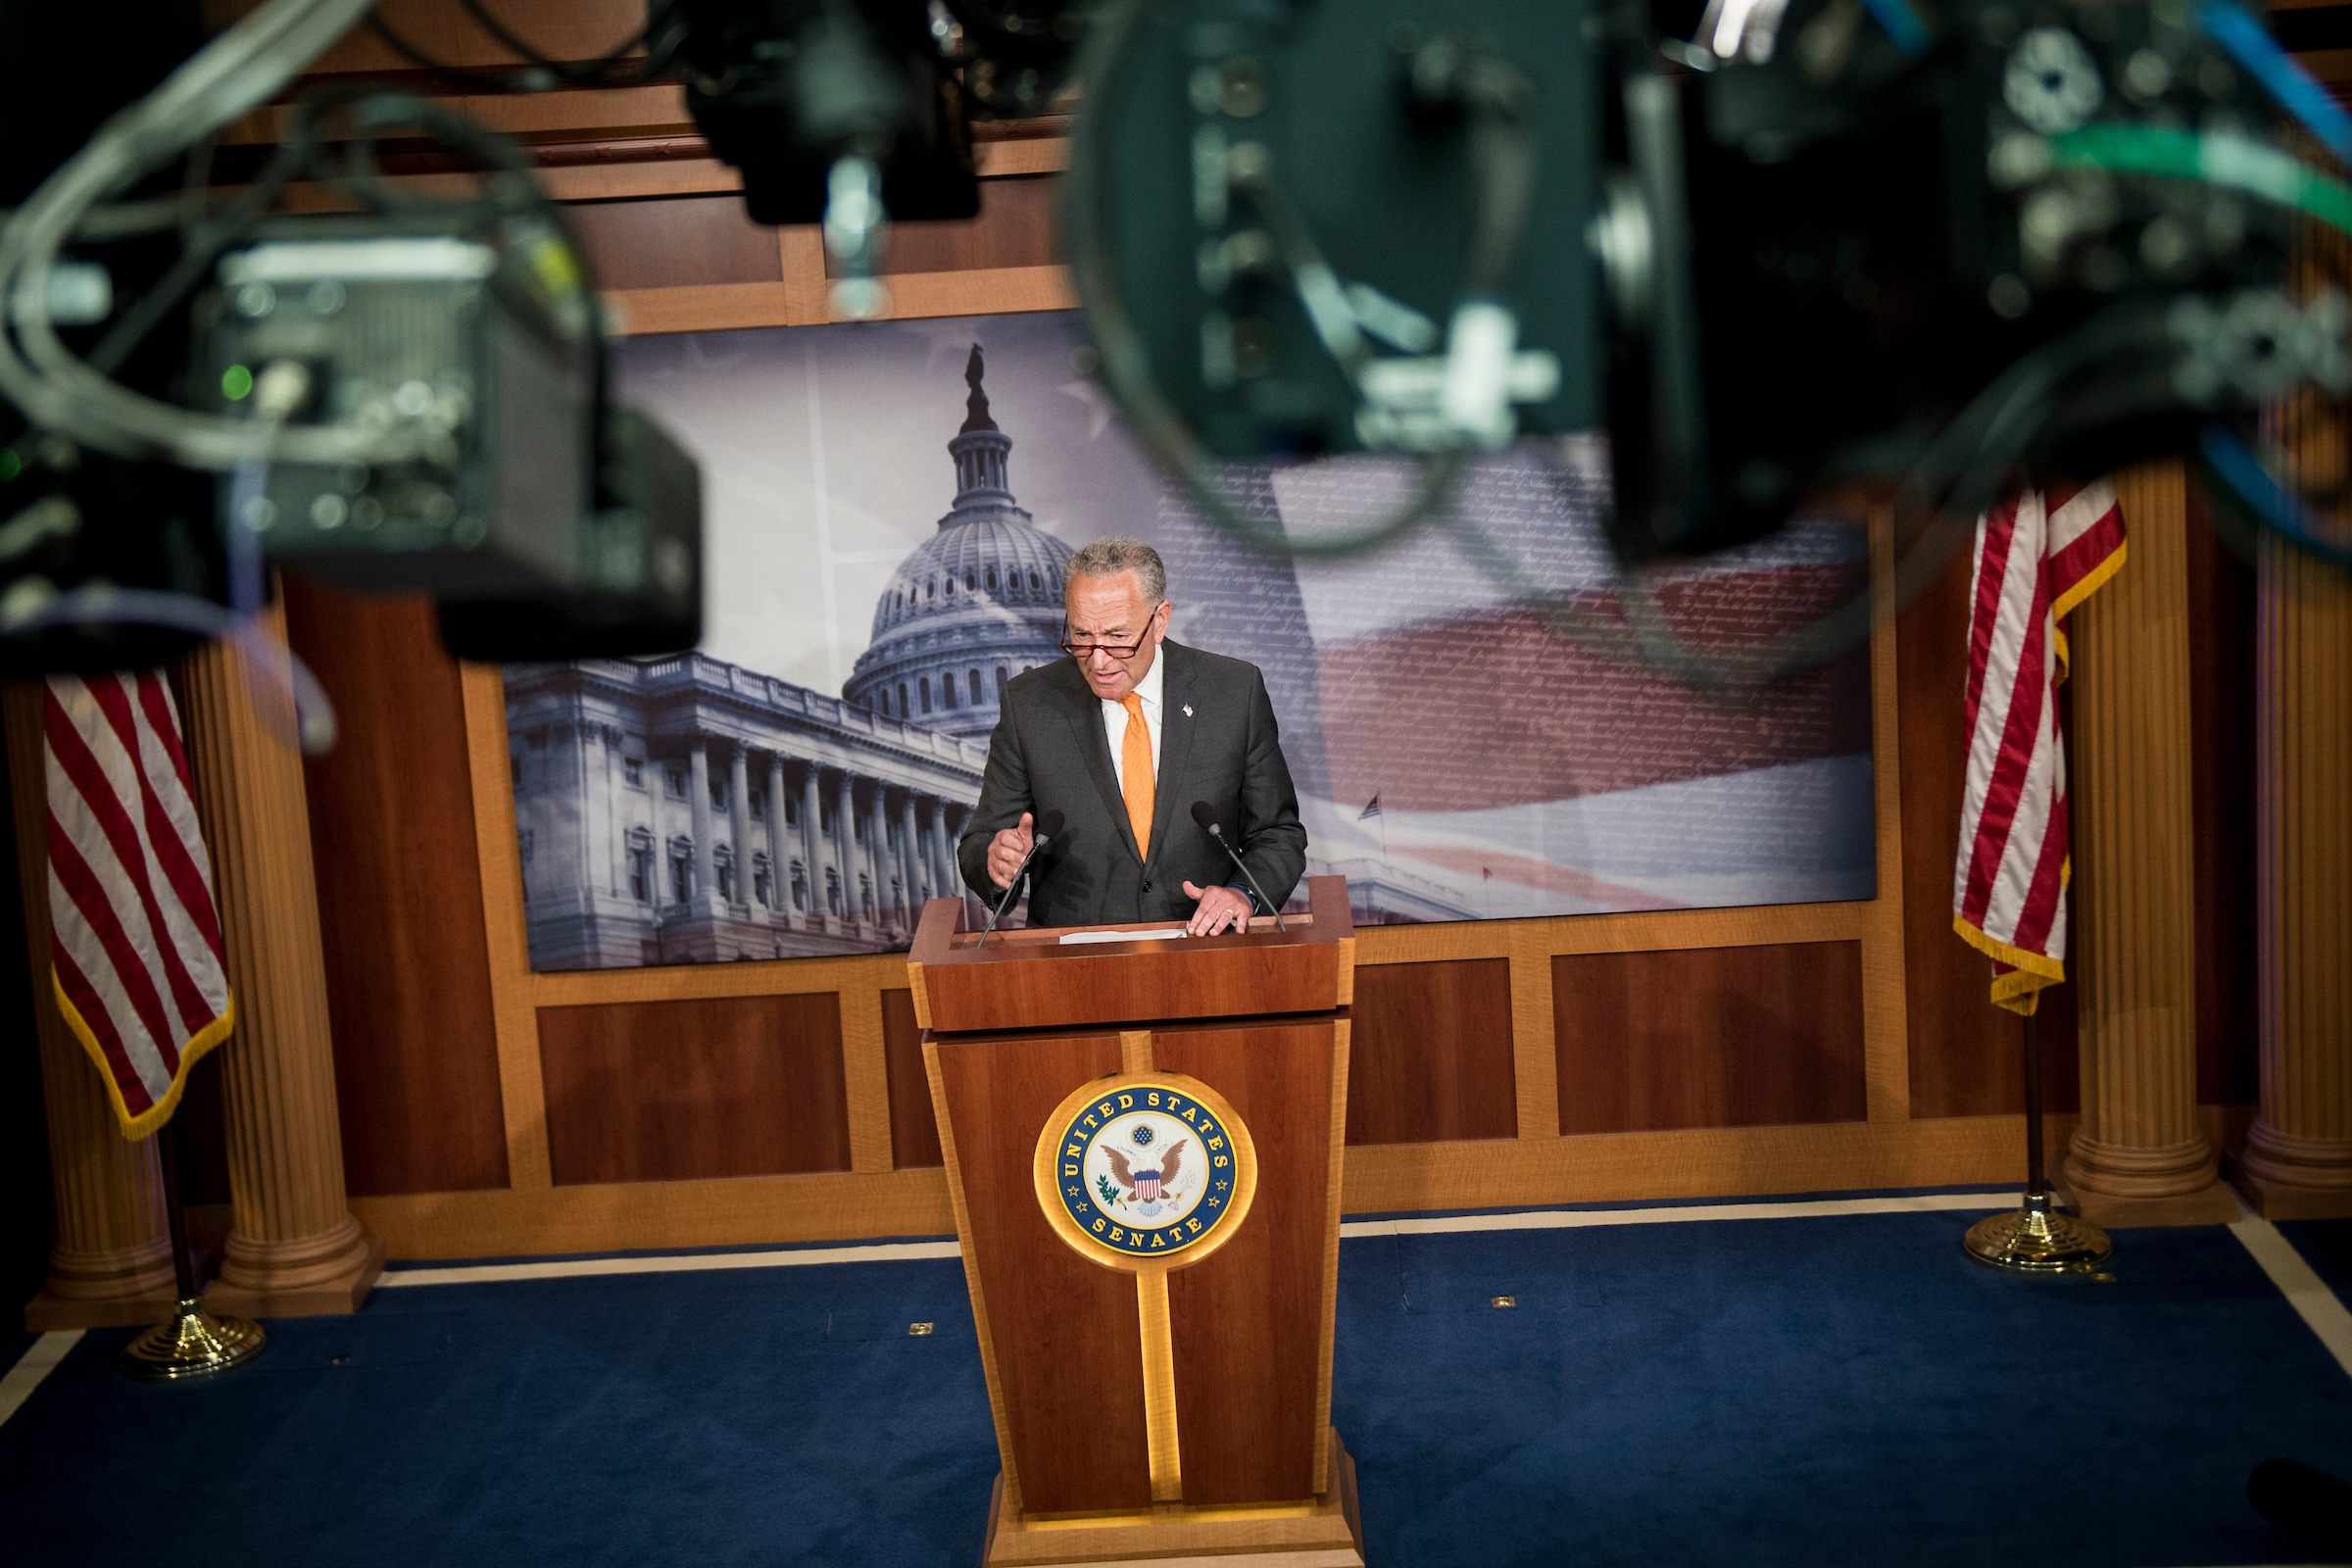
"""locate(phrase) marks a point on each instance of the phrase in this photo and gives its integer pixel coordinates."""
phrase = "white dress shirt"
(1115, 721)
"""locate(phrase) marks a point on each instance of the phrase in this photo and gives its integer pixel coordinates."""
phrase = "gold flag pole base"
(2038, 1242)
(192, 1344)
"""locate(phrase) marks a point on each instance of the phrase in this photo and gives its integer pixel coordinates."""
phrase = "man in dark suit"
(1121, 738)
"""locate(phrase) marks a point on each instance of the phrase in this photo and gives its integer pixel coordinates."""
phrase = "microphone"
(1208, 824)
(1047, 827)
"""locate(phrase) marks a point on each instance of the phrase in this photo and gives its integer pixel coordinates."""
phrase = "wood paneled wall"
(671, 1090)
(400, 900)
(1430, 1056)
(913, 1130)
(2223, 747)
(1690, 1052)
(1963, 1052)
(1709, 1037)
(676, 242)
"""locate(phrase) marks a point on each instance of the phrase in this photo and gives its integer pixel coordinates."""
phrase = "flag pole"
(2000, 896)
(2036, 1239)
(191, 1343)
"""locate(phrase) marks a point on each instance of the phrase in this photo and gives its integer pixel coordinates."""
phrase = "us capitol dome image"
(976, 604)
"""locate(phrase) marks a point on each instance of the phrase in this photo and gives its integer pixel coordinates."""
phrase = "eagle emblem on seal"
(1145, 1185)
(1150, 1166)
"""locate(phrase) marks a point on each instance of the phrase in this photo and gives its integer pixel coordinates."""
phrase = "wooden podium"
(1142, 1140)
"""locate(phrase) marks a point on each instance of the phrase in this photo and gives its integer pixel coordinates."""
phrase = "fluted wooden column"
(293, 1246)
(2298, 1158)
(109, 1257)
(2138, 1155)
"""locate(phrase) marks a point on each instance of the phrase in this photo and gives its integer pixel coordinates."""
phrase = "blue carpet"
(1808, 1391)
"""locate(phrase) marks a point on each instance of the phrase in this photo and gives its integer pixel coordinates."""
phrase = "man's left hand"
(1219, 907)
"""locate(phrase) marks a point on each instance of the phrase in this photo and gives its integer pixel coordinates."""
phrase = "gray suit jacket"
(1051, 752)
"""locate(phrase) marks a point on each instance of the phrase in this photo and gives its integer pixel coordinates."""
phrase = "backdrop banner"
(887, 513)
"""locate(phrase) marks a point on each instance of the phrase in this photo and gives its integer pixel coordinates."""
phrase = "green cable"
(2236, 162)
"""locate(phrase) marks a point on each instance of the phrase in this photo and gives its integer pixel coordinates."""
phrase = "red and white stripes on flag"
(2038, 557)
(134, 948)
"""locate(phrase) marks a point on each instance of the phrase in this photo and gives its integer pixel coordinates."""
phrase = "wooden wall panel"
(400, 900)
(2222, 714)
(1068, 1349)
(671, 1090)
(1709, 1037)
(1966, 1055)
(913, 1125)
(571, 30)
(1246, 1323)
(1019, 226)
(1431, 1053)
(676, 242)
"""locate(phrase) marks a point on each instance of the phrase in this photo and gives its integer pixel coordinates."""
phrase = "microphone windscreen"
(1204, 816)
(1049, 825)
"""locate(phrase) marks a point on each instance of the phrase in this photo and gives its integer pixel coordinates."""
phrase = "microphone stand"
(1011, 888)
(1219, 833)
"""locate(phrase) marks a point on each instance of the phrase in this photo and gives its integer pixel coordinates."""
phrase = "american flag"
(136, 949)
(2038, 557)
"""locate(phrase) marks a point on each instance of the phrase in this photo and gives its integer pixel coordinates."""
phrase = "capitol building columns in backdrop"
(685, 810)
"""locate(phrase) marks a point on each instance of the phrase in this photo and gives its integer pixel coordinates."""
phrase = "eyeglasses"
(1088, 650)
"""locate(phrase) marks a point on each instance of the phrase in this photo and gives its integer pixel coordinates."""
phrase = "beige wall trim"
(1535, 1061)
(1032, 155)
(729, 307)
(580, 114)
(982, 291)
(1642, 932)
(1378, 1178)
(865, 1079)
(634, 1216)
(1724, 1162)
(702, 307)
(662, 172)
(522, 1089)
(653, 177)
(695, 982)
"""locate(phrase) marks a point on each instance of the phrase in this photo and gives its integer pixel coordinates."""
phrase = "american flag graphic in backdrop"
(1513, 769)
(134, 947)
(2038, 557)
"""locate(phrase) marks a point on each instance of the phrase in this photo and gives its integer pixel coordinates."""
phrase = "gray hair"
(1108, 558)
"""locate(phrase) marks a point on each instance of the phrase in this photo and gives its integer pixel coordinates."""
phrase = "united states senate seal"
(1146, 1168)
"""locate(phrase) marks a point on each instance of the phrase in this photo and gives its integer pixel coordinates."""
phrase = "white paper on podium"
(1122, 935)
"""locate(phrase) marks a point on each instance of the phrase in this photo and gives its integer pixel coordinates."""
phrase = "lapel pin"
(1187, 709)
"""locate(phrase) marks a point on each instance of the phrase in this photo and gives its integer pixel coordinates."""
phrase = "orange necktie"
(1135, 773)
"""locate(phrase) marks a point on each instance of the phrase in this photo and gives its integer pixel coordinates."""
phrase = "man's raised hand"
(1007, 850)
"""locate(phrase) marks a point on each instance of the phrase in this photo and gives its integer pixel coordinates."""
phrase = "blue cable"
(2282, 75)
(2270, 501)
(1901, 24)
